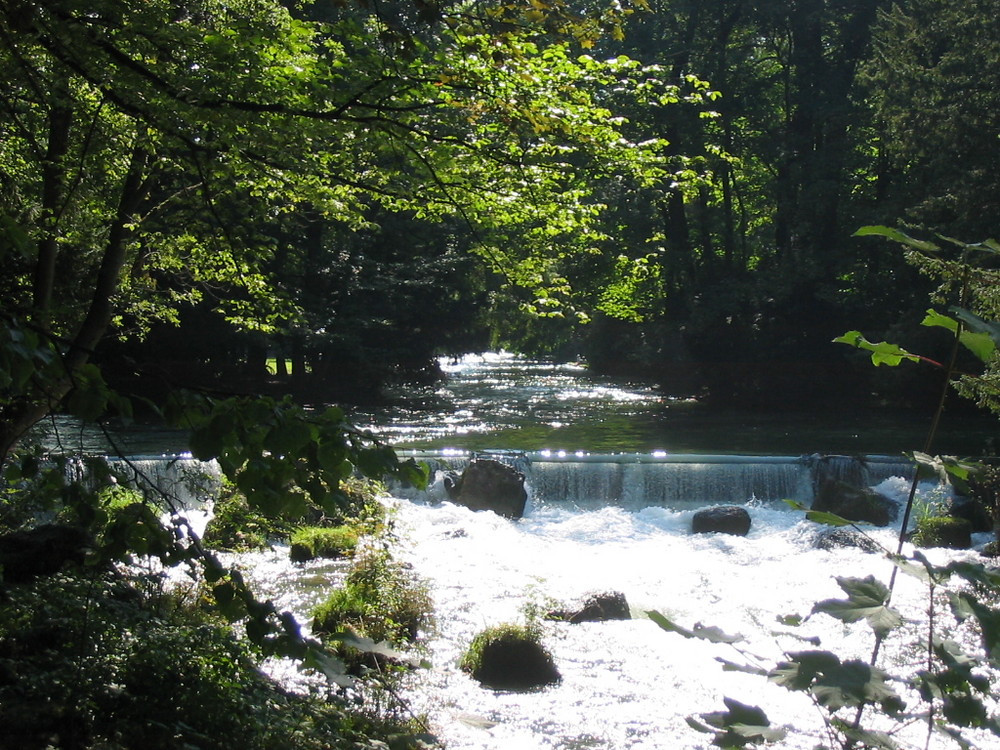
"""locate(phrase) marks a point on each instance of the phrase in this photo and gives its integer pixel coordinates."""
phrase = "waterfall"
(175, 482)
(635, 480)
(185, 482)
(858, 471)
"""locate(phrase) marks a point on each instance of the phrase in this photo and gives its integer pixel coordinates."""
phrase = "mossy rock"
(510, 657)
(237, 527)
(943, 531)
(381, 599)
(854, 503)
(311, 542)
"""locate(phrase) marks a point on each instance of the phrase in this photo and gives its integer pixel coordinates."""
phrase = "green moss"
(311, 542)
(381, 599)
(943, 531)
(510, 657)
(472, 659)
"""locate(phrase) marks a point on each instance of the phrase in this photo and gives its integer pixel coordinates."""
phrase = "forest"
(668, 191)
(239, 216)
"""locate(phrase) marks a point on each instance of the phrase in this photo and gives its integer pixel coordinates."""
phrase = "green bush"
(381, 599)
(311, 542)
(114, 663)
(236, 526)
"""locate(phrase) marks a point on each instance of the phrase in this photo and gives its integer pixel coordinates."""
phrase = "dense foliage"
(250, 197)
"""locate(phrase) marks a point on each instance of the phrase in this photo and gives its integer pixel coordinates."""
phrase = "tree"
(147, 145)
(933, 88)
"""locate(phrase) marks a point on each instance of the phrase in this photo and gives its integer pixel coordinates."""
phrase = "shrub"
(235, 526)
(99, 663)
(381, 599)
(311, 542)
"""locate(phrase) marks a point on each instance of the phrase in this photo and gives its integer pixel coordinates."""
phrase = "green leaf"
(981, 343)
(329, 665)
(730, 666)
(711, 634)
(867, 738)
(866, 600)
(289, 437)
(982, 336)
(965, 605)
(882, 353)
(739, 725)
(820, 516)
(898, 236)
(833, 683)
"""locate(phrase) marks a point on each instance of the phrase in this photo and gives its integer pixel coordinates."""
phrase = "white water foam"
(629, 684)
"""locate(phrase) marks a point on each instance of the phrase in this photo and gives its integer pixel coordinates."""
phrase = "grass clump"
(311, 542)
(381, 599)
(943, 531)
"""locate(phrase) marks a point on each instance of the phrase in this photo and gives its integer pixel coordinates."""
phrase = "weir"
(585, 480)
(638, 480)
(180, 481)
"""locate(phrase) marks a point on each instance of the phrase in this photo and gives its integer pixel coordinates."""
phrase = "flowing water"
(615, 520)
(615, 474)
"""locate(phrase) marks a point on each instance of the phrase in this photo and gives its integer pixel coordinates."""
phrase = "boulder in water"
(855, 503)
(607, 605)
(839, 538)
(974, 512)
(943, 531)
(510, 657)
(488, 484)
(725, 519)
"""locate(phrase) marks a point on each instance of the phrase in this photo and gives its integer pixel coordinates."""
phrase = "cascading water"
(621, 522)
(634, 481)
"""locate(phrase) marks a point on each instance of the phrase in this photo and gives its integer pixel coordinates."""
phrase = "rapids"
(626, 684)
(615, 521)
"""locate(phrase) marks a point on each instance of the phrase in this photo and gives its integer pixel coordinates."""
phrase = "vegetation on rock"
(381, 600)
(510, 657)
(310, 542)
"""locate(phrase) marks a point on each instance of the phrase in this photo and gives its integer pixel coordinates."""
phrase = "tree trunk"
(23, 413)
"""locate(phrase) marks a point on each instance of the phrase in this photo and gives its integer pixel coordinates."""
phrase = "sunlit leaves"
(824, 517)
(708, 633)
(882, 353)
(898, 236)
(282, 456)
(978, 336)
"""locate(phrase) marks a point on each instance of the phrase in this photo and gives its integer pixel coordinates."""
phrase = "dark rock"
(991, 549)
(726, 519)
(841, 538)
(974, 512)
(487, 484)
(452, 481)
(515, 662)
(943, 531)
(41, 551)
(608, 605)
(855, 503)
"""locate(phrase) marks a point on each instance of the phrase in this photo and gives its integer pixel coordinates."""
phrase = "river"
(615, 473)
(610, 510)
